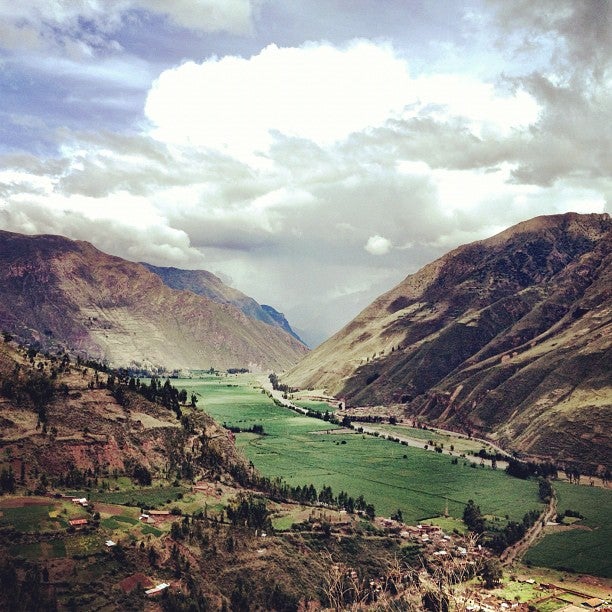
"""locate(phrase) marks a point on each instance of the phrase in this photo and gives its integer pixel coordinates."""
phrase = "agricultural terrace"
(581, 545)
(304, 450)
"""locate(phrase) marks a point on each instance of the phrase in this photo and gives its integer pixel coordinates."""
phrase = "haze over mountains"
(509, 335)
(211, 286)
(59, 292)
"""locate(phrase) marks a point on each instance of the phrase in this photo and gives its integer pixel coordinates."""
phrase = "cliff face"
(59, 292)
(509, 336)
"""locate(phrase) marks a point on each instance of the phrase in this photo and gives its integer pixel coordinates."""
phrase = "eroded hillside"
(508, 336)
(61, 293)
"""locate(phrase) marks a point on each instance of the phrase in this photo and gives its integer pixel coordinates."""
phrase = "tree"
(398, 516)
(491, 573)
(472, 517)
(142, 475)
(545, 490)
(7, 481)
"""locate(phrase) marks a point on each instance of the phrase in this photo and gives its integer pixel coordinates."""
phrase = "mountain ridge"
(207, 284)
(507, 336)
(56, 291)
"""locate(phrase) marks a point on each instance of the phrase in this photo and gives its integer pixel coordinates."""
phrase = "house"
(593, 602)
(110, 543)
(157, 589)
(81, 501)
(78, 522)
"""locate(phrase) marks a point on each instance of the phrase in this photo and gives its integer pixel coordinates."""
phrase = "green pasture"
(389, 475)
(315, 406)
(55, 549)
(151, 497)
(460, 444)
(587, 548)
(31, 518)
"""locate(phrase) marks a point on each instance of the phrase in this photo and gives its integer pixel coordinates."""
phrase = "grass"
(83, 544)
(448, 524)
(588, 547)
(27, 551)
(149, 530)
(460, 444)
(388, 475)
(152, 497)
(314, 406)
(55, 549)
(30, 518)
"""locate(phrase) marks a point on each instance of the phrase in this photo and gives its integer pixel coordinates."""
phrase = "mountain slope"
(509, 336)
(61, 292)
(212, 287)
(87, 425)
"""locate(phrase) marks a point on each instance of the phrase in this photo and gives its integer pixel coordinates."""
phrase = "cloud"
(316, 92)
(377, 245)
(288, 168)
(155, 243)
(572, 86)
(88, 27)
(235, 16)
(577, 35)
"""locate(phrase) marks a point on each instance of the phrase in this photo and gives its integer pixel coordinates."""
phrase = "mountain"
(59, 292)
(279, 319)
(207, 284)
(88, 425)
(508, 337)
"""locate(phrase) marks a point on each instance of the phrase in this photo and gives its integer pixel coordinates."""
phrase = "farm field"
(151, 497)
(460, 444)
(586, 546)
(388, 475)
(31, 518)
(313, 405)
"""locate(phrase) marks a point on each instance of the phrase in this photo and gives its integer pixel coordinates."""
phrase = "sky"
(311, 154)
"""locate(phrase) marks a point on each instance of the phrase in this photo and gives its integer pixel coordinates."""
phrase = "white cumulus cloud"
(320, 93)
(317, 91)
(378, 245)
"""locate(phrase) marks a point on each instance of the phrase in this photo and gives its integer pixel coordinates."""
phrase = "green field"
(151, 497)
(31, 518)
(460, 444)
(588, 547)
(314, 406)
(389, 475)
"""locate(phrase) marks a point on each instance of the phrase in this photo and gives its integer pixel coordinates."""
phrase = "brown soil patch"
(23, 502)
(128, 584)
(561, 528)
(113, 509)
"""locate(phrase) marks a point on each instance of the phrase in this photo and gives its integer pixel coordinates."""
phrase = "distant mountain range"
(58, 292)
(510, 336)
(212, 287)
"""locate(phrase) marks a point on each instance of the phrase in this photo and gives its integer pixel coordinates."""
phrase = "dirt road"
(517, 550)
